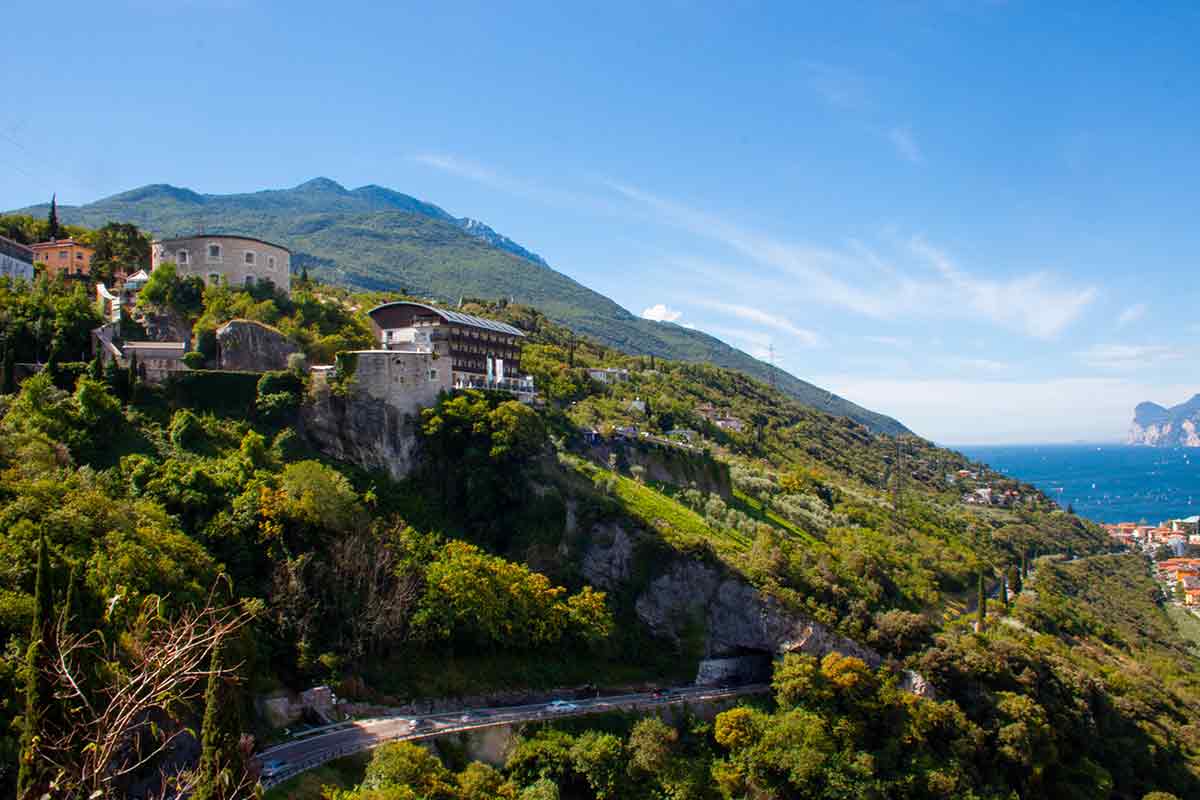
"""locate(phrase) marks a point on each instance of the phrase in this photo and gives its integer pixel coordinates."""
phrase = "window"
(250, 257)
(249, 281)
(181, 257)
(62, 255)
(214, 253)
(433, 375)
(271, 262)
(79, 256)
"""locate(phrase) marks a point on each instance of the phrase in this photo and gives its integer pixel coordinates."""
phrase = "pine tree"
(982, 600)
(52, 230)
(304, 276)
(220, 758)
(33, 778)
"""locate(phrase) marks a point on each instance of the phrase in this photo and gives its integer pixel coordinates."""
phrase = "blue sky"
(979, 217)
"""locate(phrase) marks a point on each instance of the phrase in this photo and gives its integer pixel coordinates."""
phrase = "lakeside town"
(1174, 545)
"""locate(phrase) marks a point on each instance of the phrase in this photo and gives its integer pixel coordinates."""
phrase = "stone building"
(239, 261)
(64, 257)
(16, 260)
(483, 353)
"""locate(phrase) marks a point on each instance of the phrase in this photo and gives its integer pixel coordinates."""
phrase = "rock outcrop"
(665, 464)
(361, 430)
(737, 618)
(250, 346)
(1156, 426)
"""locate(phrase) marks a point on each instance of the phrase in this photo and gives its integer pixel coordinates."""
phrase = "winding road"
(290, 759)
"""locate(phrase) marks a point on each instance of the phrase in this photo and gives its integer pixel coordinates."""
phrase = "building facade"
(237, 261)
(16, 260)
(483, 353)
(65, 257)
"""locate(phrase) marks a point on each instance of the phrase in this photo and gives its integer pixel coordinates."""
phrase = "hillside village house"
(482, 353)
(16, 260)
(226, 259)
(64, 257)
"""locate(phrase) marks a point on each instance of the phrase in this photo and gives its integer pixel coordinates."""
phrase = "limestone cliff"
(1156, 426)
(361, 430)
(699, 606)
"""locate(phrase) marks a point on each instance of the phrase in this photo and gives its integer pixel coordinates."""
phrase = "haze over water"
(1105, 483)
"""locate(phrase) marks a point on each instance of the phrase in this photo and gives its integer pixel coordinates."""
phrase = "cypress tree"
(982, 611)
(1018, 581)
(8, 380)
(220, 758)
(97, 368)
(131, 380)
(33, 778)
(52, 219)
(1004, 590)
(304, 276)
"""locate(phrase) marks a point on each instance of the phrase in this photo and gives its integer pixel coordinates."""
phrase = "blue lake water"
(1105, 483)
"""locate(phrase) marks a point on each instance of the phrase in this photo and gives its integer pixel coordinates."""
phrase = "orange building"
(64, 257)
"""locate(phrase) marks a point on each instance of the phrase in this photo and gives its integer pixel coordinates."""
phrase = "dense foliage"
(470, 571)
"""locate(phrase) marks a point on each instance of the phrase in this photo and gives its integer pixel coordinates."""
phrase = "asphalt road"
(292, 758)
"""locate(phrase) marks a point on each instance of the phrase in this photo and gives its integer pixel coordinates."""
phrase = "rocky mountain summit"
(1156, 426)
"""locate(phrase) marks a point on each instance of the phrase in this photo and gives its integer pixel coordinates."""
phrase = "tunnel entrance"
(739, 668)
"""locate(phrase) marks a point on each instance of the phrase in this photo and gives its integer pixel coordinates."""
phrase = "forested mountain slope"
(375, 238)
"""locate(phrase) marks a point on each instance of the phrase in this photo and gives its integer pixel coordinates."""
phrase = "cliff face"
(1156, 426)
(361, 430)
(731, 626)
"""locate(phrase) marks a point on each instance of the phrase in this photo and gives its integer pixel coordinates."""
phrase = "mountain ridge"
(377, 238)
(1157, 426)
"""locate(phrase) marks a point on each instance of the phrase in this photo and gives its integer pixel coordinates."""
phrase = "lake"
(1106, 483)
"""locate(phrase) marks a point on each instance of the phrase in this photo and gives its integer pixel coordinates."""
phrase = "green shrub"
(186, 429)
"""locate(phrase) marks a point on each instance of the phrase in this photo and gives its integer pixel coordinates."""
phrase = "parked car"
(421, 724)
(561, 706)
(272, 768)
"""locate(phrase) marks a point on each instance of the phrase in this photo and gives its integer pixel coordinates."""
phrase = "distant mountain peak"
(155, 191)
(321, 184)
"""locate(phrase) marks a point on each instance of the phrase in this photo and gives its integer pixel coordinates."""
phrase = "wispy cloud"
(905, 142)
(802, 336)
(857, 279)
(1131, 315)
(1128, 356)
(898, 342)
(524, 187)
(1033, 303)
(660, 312)
(462, 167)
(837, 86)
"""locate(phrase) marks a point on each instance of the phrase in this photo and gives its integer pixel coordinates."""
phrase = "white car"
(561, 706)
(272, 768)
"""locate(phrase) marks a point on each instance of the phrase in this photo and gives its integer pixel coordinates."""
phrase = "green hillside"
(375, 238)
